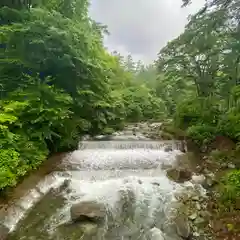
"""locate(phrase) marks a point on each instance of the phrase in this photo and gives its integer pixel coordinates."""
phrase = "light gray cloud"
(141, 27)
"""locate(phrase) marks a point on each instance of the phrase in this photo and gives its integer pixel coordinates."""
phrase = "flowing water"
(126, 176)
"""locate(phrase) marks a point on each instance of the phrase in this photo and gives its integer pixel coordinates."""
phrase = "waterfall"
(126, 177)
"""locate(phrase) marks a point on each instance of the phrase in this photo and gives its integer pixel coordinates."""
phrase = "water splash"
(120, 159)
(126, 176)
(124, 144)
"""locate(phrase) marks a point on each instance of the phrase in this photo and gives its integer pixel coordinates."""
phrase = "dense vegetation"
(57, 82)
(201, 71)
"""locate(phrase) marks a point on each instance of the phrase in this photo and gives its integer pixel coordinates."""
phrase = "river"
(124, 174)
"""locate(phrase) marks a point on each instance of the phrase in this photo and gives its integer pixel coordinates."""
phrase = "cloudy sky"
(141, 27)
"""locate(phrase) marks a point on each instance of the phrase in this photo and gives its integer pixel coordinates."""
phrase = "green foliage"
(199, 73)
(229, 125)
(58, 82)
(201, 134)
(230, 189)
(197, 110)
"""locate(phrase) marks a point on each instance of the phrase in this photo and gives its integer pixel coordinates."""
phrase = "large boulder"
(179, 175)
(222, 143)
(87, 210)
(3, 232)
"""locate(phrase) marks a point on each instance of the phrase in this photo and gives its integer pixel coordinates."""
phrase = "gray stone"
(196, 234)
(231, 166)
(3, 232)
(198, 206)
(183, 228)
(156, 234)
(198, 179)
(193, 216)
(87, 209)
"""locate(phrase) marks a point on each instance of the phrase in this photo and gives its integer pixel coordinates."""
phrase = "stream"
(120, 182)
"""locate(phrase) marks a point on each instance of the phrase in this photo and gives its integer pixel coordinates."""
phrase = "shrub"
(201, 134)
(230, 189)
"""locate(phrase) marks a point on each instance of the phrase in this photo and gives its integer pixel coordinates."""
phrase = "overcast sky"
(141, 27)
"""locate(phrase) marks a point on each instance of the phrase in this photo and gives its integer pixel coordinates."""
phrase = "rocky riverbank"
(209, 218)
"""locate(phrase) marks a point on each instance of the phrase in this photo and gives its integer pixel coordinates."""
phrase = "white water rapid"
(126, 177)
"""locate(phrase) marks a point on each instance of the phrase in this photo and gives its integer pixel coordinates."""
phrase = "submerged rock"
(168, 149)
(3, 232)
(87, 210)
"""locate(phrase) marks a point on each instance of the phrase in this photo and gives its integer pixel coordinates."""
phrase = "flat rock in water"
(87, 209)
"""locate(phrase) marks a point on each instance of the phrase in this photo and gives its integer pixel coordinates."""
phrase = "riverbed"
(126, 172)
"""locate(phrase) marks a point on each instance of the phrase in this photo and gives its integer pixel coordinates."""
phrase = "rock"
(198, 206)
(210, 181)
(89, 228)
(3, 232)
(168, 149)
(193, 216)
(140, 181)
(196, 198)
(155, 125)
(179, 175)
(199, 220)
(156, 234)
(231, 166)
(196, 234)
(100, 137)
(156, 183)
(87, 209)
(116, 134)
(183, 147)
(86, 137)
(183, 227)
(222, 143)
(205, 214)
(198, 179)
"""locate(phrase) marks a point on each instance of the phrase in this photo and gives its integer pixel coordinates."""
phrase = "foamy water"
(106, 175)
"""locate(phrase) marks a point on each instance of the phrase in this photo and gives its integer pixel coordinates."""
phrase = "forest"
(58, 82)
